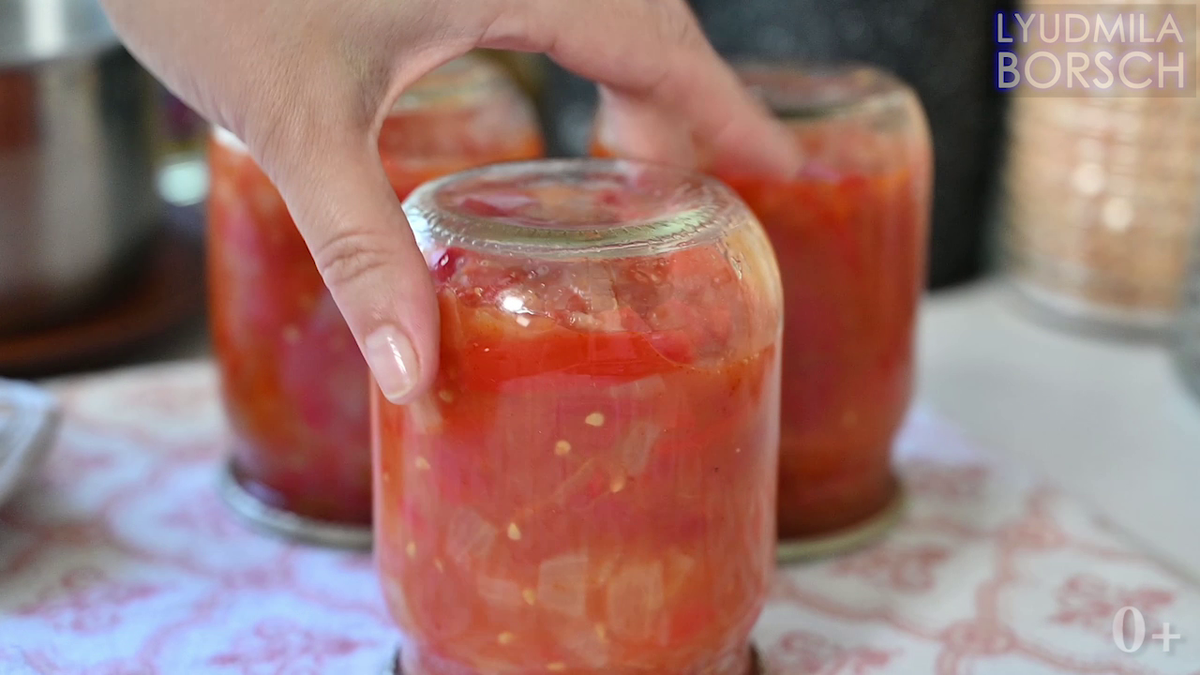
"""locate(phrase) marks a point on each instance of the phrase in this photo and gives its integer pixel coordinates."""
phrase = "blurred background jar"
(292, 376)
(1101, 195)
(590, 485)
(78, 208)
(1101, 199)
(1101, 204)
(944, 49)
(850, 232)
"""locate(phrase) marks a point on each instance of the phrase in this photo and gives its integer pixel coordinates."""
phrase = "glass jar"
(850, 231)
(589, 487)
(293, 379)
(1100, 203)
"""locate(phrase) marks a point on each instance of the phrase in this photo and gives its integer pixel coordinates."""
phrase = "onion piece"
(425, 414)
(502, 594)
(582, 641)
(469, 537)
(562, 584)
(635, 601)
(634, 449)
(679, 566)
(645, 389)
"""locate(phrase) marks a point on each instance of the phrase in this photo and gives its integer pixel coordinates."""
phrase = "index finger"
(651, 51)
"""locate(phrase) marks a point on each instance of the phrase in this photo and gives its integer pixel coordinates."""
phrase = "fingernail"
(393, 362)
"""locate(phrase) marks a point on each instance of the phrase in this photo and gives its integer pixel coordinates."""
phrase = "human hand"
(306, 84)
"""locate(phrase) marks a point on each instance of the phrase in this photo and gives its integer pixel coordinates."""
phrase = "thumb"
(351, 219)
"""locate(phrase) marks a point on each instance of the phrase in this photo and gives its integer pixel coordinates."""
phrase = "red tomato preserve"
(589, 488)
(294, 382)
(850, 233)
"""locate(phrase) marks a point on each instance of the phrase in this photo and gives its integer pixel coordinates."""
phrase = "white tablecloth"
(119, 559)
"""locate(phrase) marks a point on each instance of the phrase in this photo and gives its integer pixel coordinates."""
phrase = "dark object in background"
(567, 106)
(181, 160)
(78, 209)
(943, 48)
(162, 299)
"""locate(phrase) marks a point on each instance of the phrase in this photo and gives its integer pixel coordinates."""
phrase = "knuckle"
(290, 115)
(351, 257)
(679, 25)
(517, 25)
(689, 35)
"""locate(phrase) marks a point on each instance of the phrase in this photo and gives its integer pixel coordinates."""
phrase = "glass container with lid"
(589, 487)
(294, 382)
(1100, 191)
(1100, 204)
(850, 231)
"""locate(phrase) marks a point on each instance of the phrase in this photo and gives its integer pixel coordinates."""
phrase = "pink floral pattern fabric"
(119, 559)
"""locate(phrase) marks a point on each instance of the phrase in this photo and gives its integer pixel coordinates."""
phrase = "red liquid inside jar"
(850, 232)
(589, 489)
(293, 379)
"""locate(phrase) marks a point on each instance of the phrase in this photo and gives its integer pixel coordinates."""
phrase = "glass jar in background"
(589, 487)
(850, 231)
(1100, 185)
(1100, 204)
(294, 382)
(944, 49)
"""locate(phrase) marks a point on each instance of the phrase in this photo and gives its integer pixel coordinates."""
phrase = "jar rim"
(799, 90)
(557, 208)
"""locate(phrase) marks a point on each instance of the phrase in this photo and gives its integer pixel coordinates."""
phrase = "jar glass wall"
(1100, 204)
(850, 230)
(1100, 198)
(590, 486)
(293, 379)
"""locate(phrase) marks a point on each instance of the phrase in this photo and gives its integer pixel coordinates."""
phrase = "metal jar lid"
(757, 665)
(37, 31)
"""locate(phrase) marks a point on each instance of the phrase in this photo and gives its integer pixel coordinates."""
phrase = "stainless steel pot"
(78, 205)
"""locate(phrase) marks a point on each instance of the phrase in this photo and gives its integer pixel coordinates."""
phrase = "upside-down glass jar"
(850, 231)
(1100, 206)
(589, 487)
(294, 382)
(1100, 197)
